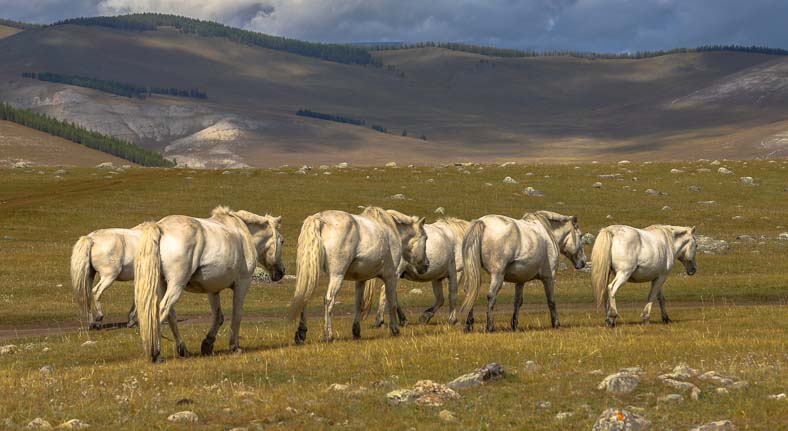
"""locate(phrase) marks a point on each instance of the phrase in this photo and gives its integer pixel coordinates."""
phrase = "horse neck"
(250, 248)
(552, 232)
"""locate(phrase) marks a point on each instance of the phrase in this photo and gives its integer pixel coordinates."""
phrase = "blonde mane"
(457, 226)
(543, 218)
(383, 217)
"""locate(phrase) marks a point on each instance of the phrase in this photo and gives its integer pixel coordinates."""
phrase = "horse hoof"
(156, 358)
(610, 323)
(515, 326)
(236, 350)
(403, 322)
(666, 320)
(378, 323)
(394, 331)
(356, 330)
(556, 325)
(95, 326)
(425, 318)
(182, 351)
(206, 349)
(132, 323)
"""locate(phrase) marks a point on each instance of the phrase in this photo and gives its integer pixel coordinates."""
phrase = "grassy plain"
(730, 317)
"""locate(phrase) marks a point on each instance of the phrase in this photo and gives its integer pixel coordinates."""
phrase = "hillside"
(19, 143)
(6, 31)
(468, 106)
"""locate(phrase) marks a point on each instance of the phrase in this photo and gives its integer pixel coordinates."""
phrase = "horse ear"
(692, 230)
(421, 222)
(574, 220)
(276, 220)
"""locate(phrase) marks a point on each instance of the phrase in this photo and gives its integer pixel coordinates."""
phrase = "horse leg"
(452, 297)
(549, 291)
(656, 286)
(391, 299)
(437, 291)
(206, 348)
(300, 335)
(518, 302)
(663, 309)
(496, 282)
(104, 283)
(359, 310)
(612, 288)
(382, 307)
(333, 287)
(132, 316)
(180, 345)
(239, 294)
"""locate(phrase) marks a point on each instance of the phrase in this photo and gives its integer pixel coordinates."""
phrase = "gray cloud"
(586, 25)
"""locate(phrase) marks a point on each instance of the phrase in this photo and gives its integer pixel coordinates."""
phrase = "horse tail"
(82, 274)
(601, 265)
(472, 262)
(309, 261)
(147, 282)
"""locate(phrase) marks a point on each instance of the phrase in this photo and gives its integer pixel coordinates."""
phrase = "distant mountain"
(413, 104)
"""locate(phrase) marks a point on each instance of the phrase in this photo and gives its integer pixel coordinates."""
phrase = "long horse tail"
(82, 274)
(309, 262)
(472, 263)
(369, 293)
(147, 282)
(601, 265)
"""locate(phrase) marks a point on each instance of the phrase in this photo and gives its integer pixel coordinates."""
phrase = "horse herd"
(208, 255)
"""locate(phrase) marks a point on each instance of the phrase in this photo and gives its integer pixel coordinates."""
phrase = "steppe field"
(731, 317)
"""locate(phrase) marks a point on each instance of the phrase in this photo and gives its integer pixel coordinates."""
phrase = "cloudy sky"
(584, 25)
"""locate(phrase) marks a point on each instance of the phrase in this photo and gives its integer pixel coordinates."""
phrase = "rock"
(680, 372)
(694, 188)
(440, 210)
(724, 425)
(778, 397)
(783, 236)
(530, 191)
(432, 180)
(429, 393)
(737, 218)
(185, 416)
(624, 162)
(724, 171)
(8, 349)
(543, 404)
(620, 420)
(564, 415)
(622, 382)
(38, 424)
(484, 374)
(89, 343)
(747, 238)
(632, 370)
(608, 176)
(74, 424)
(261, 276)
(722, 391)
(671, 398)
(531, 366)
(587, 238)
(747, 180)
(228, 172)
(507, 164)
(342, 165)
(126, 166)
(338, 387)
(597, 185)
(509, 180)
(702, 170)
(400, 396)
(22, 164)
(653, 192)
(391, 164)
(717, 378)
(709, 245)
(416, 291)
(666, 208)
(683, 386)
(715, 163)
(609, 217)
(324, 167)
(676, 171)
(61, 172)
(448, 416)
(46, 369)
(398, 197)
(383, 384)
(707, 202)
(105, 165)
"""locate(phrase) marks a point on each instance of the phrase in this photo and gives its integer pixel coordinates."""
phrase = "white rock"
(746, 180)
(624, 162)
(509, 180)
(724, 425)
(507, 164)
(338, 387)
(530, 191)
(680, 372)
(185, 416)
(597, 185)
(725, 171)
(671, 398)
(783, 236)
(416, 291)
(74, 424)
(89, 343)
(622, 382)
(676, 171)
(8, 349)
(491, 371)
(324, 167)
(666, 208)
(342, 165)
(715, 163)
(543, 404)
(105, 165)
(46, 369)
(702, 170)
(448, 416)
(38, 424)
(440, 210)
(398, 197)
(683, 386)
(22, 164)
(778, 397)
(564, 415)
(620, 420)
(391, 164)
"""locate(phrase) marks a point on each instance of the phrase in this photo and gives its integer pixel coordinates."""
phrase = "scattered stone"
(391, 164)
(653, 192)
(777, 397)
(783, 236)
(185, 416)
(38, 424)
(609, 217)
(338, 387)
(8, 349)
(666, 208)
(683, 386)
(631, 370)
(415, 291)
(724, 425)
(719, 379)
(725, 171)
(324, 167)
(105, 165)
(509, 180)
(491, 371)
(22, 164)
(737, 218)
(531, 366)
(622, 382)
(715, 163)
(709, 245)
(440, 210)
(676, 171)
(61, 172)
(74, 424)
(432, 180)
(597, 185)
(89, 343)
(383, 384)
(707, 202)
(608, 176)
(530, 191)
(564, 415)
(228, 172)
(694, 188)
(747, 238)
(680, 372)
(624, 162)
(342, 165)
(587, 238)
(543, 404)
(620, 420)
(448, 416)
(398, 197)
(507, 164)
(722, 391)
(671, 398)
(747, 181)
(703, 170)
(46, 369)
(400, 396)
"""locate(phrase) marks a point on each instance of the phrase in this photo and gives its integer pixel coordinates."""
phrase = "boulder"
(597, 185)
(622, 382)
(509, 180)
(185, 416)
(484, 374)
(74, 424)
(620, 420)
(530, 191)
(725, 171)
(723, 425)
(391, 164)
(38, 424)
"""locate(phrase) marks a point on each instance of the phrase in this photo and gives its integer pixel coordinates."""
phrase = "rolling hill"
(467, 106)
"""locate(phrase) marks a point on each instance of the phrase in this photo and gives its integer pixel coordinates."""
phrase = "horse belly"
(363, 270)
(520, 272)
(210, 280)
(642, 275)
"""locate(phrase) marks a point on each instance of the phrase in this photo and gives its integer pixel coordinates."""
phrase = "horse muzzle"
(423, 267)
(277, 274)
(580, 264)
(692, 271)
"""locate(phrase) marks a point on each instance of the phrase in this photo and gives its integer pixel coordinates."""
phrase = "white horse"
(629, 254)
(110, 254)
(199, 255)
(517, 251)
(444, 251)
(355, 248)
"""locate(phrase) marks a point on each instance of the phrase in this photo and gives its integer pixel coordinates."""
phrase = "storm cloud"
(583, 25)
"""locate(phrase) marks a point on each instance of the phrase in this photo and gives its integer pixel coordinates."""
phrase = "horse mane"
(381, 216)
(220, 210)
(543, 218)
(243, 215)
(457, 226)
(669, 233)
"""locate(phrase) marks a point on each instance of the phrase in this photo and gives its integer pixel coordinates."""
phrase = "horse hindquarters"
(82, 274)
(310, 259)
(471, 275)
(147, 284)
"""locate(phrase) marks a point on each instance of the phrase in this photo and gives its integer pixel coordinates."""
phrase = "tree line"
(114, 87)
(340, 53)
(492, 51)
(18, 24)
(83, 136)
(348, 120)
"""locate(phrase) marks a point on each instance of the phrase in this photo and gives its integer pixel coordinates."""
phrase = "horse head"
(689, 247)
(268, 241)
(414, 240)
(566, 231)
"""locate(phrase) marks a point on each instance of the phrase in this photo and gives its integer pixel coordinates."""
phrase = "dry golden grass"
(730, 317)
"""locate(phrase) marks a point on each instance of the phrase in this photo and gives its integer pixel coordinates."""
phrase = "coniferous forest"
(83, 136)
(114, 87)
